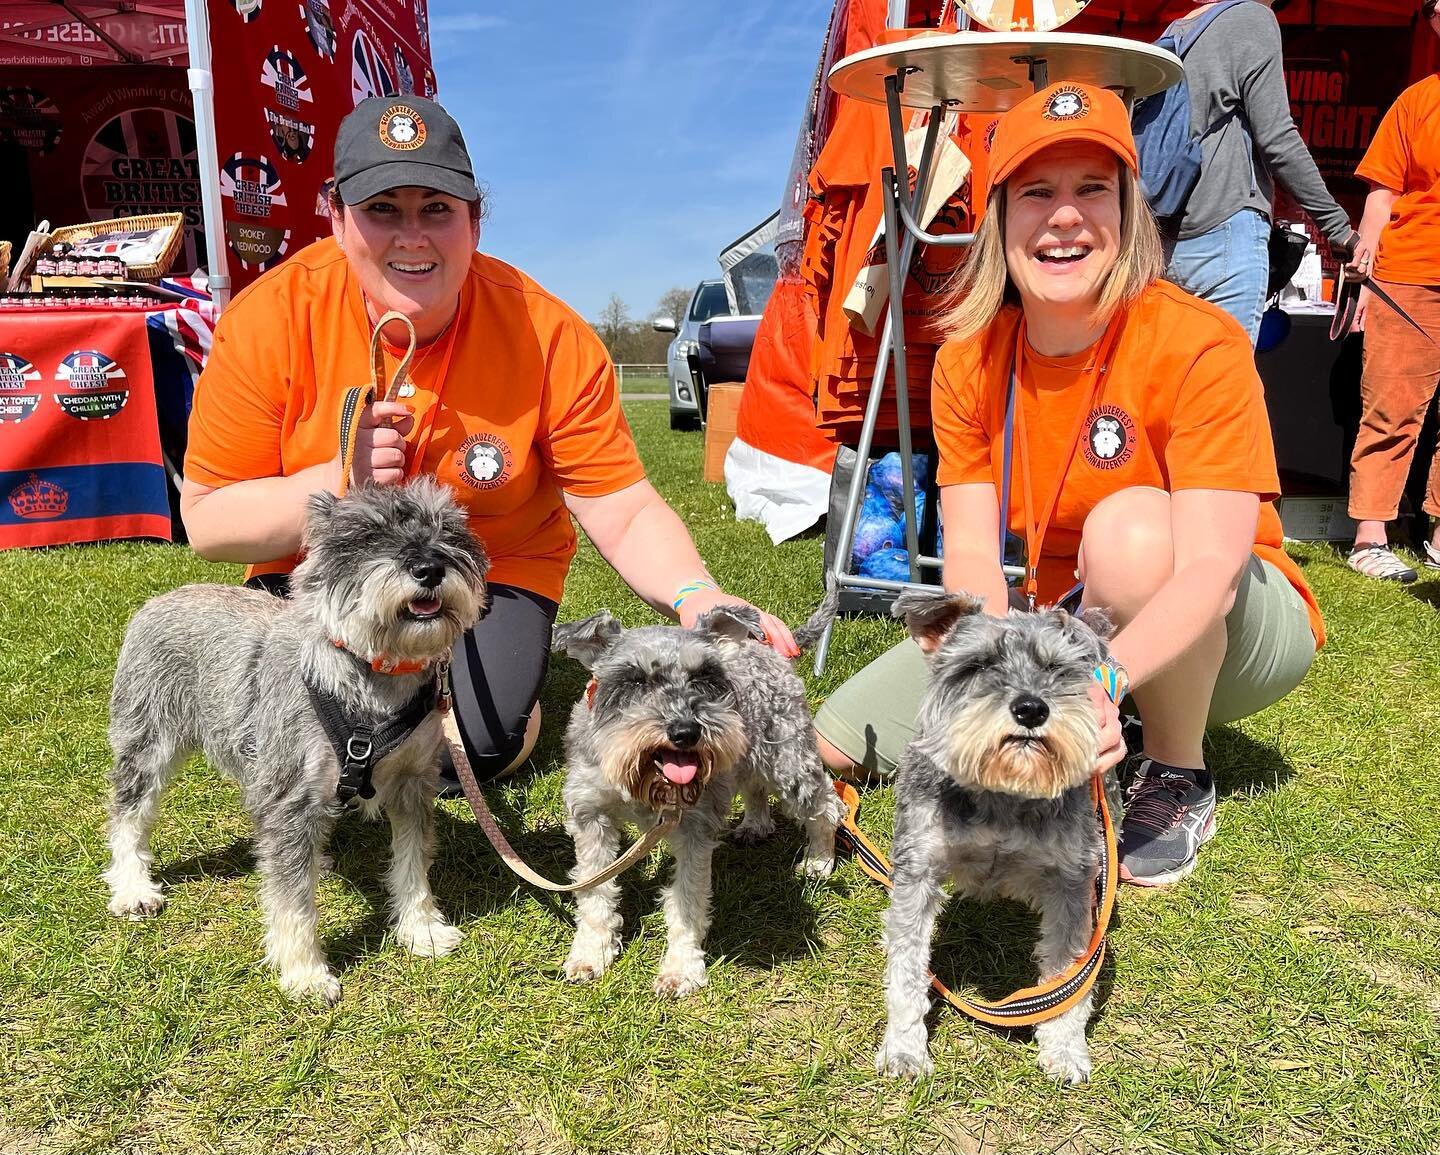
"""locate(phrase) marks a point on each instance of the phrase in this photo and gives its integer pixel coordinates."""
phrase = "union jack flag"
(368, 74)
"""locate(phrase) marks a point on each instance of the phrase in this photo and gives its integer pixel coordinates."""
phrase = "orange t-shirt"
(528, 407)
(1182, 407)
(1405, 158)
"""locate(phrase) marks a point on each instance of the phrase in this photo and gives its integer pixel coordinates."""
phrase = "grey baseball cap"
(393, 141)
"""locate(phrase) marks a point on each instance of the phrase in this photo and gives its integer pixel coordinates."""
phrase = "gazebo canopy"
(85, 32)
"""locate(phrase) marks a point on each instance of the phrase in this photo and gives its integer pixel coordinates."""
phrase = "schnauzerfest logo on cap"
(17, 401)
(401, 128)
(484, 461)
(1066, 104)
(1109, 438)
(91, 376)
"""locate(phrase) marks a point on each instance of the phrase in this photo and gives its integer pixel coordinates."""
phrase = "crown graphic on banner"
(38, 499)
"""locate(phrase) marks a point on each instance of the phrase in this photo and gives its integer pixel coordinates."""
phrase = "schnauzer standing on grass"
(994, 794)
(391, 578)
(682, 719)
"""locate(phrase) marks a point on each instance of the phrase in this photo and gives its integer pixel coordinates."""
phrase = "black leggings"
(497, 669)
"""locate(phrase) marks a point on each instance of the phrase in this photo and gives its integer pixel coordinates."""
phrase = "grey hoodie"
(1236, 70)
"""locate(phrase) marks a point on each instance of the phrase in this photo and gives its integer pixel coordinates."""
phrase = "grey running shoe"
(1168, 817)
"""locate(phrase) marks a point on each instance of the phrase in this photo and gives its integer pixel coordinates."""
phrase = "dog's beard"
(386, 613)
(987, 750)
(636, 756)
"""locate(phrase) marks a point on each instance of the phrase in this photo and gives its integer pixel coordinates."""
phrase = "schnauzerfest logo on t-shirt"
(485, 461)
(1109, 437)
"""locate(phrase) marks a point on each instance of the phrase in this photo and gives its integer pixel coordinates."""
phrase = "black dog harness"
(359, 745)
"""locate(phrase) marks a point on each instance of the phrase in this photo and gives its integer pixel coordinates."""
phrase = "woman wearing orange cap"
(1142, 465)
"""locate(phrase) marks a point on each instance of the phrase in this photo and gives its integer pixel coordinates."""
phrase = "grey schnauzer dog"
(391, 578)
(685, 718)
(994, 794)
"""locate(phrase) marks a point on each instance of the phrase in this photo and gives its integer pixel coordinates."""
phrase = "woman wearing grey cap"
(511, 400)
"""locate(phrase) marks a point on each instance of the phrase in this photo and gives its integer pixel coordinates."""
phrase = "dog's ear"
(318, 508)
(588, 639)
(1099, 621)
(738, 623)
(930, 615)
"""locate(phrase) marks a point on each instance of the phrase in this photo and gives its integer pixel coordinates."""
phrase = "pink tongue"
(425, 605)
(681, 768)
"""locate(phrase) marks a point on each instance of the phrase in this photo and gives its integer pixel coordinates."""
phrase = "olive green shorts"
(871, 718)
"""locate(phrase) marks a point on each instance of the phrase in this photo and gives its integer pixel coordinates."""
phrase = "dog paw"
(676, 980)
(751, 833)
(317, 983)
(897, 1062)
(429, 939)
(1067, 1065)
(137, 902)
(817, 866)
(589, 960)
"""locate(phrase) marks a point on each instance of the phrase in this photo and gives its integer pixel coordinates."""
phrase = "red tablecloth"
(93, 405)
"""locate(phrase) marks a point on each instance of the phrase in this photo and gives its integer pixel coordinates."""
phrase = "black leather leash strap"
(1347, 304)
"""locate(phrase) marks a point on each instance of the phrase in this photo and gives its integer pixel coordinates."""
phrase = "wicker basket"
(4, 259)
(75, 234)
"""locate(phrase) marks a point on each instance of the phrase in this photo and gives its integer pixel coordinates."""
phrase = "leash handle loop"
(1031, 1005)
(353, 404)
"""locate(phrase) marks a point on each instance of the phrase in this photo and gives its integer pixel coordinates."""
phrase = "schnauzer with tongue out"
(684, 719)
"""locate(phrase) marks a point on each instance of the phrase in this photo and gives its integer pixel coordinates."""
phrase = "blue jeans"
(1229, 266)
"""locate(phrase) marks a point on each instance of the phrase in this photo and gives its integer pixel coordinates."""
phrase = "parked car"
(709, 300)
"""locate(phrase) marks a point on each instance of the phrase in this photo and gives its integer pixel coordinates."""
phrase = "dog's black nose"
(683, 734)
(428, 573)
(1029, 711)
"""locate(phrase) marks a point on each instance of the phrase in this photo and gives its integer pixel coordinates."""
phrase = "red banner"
(286, 73)
(79, 432)
(84, 32)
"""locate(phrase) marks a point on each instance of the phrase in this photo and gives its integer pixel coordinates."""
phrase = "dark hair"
(1427, 9)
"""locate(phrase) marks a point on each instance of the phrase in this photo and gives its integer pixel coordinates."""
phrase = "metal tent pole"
(202, 89)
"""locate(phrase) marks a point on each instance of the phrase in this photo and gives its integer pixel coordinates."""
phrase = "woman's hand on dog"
(1110, 745)
(777, 634)
(380, 444)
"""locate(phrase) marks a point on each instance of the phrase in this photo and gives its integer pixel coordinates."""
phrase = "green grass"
(1284, 998)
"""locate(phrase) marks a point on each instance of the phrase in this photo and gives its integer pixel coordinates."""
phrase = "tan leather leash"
(463, 771)
(1031, 1005)
(351, 407)
(359, 396)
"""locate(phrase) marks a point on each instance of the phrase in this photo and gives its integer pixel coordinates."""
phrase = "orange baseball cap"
(1064, 111)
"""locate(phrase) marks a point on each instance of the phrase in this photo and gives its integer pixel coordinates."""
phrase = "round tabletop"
(990, 71)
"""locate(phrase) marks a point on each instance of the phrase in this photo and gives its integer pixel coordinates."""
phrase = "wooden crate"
(722, 411)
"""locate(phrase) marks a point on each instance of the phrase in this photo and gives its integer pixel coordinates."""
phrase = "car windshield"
(709, 302)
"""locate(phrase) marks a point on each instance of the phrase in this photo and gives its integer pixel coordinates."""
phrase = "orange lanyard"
(421, 445)
(1035, 528)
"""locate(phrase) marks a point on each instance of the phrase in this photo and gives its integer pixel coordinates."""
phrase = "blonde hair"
(982, 285)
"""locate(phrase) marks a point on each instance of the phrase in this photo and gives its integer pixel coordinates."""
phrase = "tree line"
(632, 341)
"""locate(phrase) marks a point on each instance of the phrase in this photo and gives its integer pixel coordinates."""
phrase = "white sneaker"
(1377, 561)
(1432, 557)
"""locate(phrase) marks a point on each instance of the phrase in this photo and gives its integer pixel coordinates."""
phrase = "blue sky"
(624, 144)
